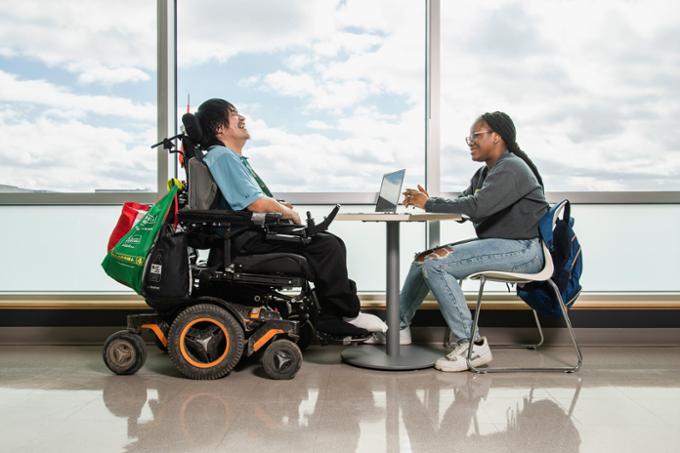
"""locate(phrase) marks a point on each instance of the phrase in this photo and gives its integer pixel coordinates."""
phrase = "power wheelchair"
(237, 305)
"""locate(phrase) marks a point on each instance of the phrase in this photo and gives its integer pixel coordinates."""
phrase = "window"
(77, 96)
(593, 88)
(333, 91)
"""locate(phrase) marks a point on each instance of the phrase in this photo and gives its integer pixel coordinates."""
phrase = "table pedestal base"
(411, 357)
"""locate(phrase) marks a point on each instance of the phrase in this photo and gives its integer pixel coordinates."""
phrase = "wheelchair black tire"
(124, 352)
(192, 366)
(282, 359)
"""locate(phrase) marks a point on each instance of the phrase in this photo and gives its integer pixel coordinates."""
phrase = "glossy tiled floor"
(64, 399)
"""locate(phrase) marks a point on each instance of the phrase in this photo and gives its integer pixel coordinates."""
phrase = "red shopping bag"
(131, 214)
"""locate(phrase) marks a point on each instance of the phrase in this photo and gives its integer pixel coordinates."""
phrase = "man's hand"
(292, 215)
(417, 198)
(267, 204)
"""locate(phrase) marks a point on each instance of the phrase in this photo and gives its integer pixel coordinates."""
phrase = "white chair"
(520, 279)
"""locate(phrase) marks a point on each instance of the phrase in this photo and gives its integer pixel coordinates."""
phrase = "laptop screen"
(390, 189)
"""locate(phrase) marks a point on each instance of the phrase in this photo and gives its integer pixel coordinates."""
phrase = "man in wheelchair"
(223, 136)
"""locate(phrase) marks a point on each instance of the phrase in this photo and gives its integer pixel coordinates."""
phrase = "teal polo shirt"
(235, 178)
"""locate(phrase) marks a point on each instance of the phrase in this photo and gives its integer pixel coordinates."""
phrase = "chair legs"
(565, 313)
(448, 335)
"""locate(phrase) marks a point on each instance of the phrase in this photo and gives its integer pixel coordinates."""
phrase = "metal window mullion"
(432, 110)
(166, 83)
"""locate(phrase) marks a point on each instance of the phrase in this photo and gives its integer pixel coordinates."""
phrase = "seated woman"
(505, 202)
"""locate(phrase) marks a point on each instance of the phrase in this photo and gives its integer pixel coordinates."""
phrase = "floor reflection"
(346, 409)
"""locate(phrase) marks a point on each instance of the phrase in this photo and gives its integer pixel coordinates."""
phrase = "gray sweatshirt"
(505, 201)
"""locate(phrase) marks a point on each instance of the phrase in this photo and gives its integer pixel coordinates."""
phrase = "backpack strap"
(547, 223)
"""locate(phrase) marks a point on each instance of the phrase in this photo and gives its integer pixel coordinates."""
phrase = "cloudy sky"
(334, 90)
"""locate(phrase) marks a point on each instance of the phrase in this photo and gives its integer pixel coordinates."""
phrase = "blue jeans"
(441, 274)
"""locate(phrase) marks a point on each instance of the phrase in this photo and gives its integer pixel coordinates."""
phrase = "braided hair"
(502, 124)
(212, 114)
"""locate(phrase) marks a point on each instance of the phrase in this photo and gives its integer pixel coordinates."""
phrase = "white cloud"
(73, 156)
(331, 94)
(298, 61)
(44, 93)
(218, 30)
(316, 124)
(99, 41)
(376, 143)
(110, 76)
(250, 81)
(584, 89)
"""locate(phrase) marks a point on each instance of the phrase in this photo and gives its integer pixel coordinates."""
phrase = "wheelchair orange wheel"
(205, 342)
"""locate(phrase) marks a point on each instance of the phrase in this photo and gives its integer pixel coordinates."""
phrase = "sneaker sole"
(479, 361)
(379, 341)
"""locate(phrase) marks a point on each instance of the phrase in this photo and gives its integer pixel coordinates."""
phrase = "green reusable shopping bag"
(125, 262)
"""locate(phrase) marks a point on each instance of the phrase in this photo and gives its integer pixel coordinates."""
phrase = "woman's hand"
(417, 198)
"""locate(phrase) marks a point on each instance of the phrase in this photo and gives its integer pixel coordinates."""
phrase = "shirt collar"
(226, 147)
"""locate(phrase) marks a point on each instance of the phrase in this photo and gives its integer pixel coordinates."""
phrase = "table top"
(414, 216)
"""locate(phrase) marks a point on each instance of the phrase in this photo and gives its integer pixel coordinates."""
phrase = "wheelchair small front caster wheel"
(124, 352)
(282, 359)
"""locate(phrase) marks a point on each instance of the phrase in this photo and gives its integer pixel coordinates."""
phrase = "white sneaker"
(456, 360)
(381, 338)
(369, 322)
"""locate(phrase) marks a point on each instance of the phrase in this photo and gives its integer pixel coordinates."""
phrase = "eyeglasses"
(473, 138)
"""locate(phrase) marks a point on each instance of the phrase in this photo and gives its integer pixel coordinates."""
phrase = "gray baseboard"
(497, 336)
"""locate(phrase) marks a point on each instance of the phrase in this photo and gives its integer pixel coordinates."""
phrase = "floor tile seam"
(664, 420)
(79, 408)
(641, 406)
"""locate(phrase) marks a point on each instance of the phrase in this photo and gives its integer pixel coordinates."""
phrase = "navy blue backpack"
(567, 258)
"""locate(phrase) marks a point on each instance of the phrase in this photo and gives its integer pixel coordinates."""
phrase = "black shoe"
(339, 328)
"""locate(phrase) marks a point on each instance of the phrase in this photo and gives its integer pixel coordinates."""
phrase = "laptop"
(390, 190)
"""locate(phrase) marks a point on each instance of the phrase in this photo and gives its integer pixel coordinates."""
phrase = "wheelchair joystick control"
(310, 220)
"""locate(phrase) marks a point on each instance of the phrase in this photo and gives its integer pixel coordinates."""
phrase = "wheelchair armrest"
(266, 218)
(213, 216)
(219, 217)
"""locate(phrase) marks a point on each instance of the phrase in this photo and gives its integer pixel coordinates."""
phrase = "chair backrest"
(548, 266)
(202, 187)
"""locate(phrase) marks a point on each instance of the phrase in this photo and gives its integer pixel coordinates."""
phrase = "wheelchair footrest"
(337, 331)
(327, 338)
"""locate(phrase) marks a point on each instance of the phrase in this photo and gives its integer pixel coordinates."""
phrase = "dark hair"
(212, 114)
(502, 124)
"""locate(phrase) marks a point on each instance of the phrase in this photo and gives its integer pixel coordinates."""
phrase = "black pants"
(327, 256)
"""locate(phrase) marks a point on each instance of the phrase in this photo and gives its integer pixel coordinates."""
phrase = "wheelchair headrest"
(192, 128)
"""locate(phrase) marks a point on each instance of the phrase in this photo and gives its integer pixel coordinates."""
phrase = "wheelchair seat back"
(203, 191)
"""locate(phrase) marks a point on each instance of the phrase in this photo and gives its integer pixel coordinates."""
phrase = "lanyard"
(259, 181)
